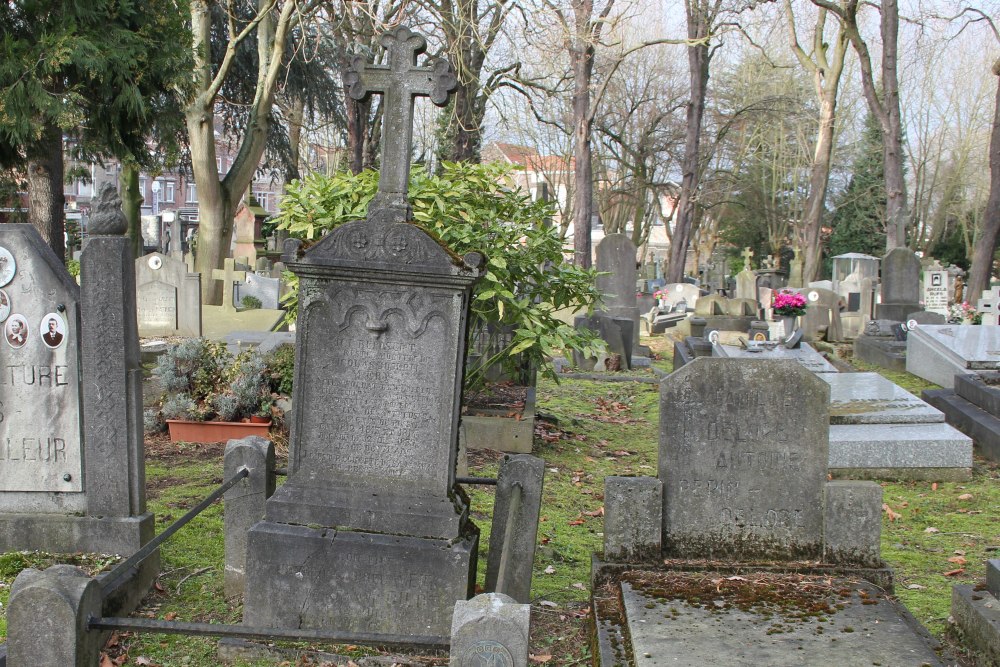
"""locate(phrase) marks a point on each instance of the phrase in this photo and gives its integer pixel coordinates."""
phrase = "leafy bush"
(73, 266)
(469, 208)
(250, 302)
(281, 364)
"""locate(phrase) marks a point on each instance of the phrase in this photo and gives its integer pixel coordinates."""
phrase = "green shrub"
(469, 208)
(73, 266)
(281, 368)
(250, 302)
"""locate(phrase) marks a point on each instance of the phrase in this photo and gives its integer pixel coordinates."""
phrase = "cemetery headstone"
(229, 274)
(989, 306)
(746, 280)
(267, 290)
(743, 470)
(490, 630)
(795, 270)
(900, 285)
(370, 532)
(168, 298)
(938, 352)
(823, 307)
(616, 261)
(936, 292)
(72, 477)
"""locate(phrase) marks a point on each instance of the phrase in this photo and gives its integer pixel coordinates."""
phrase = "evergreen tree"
(857, 219)
(101, 73)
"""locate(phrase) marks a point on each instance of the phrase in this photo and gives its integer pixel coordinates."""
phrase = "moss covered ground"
(934, 536)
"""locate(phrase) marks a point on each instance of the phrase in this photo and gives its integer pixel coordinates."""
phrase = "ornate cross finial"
(107, 218)
(747, 254)
(770, 262)
(400, 81)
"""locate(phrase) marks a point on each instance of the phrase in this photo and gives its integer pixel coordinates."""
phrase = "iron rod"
(487, 481)
(122, 568)
(274, 634)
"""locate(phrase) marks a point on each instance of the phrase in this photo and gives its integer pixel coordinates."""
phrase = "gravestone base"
(885, 352)
(970, 419)
(859, 625)
(357, 582)
(326, 503)
(230, 651)
(977, 613)
(895, 311)
(497, 430)
(901, 451)
(56, 533)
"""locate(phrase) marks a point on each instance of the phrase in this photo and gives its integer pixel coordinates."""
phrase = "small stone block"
(993, 577)
(633, 518)
(853, 523)
(978, 616)
(244, 503)
(47, 618)
(490, 629)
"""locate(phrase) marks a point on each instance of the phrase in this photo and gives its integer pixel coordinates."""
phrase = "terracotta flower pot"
(189, 431)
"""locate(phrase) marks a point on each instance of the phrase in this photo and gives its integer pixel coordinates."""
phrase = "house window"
(168, 192)
(218, 165)
(262, 198)
(192, 193)
(142, 187)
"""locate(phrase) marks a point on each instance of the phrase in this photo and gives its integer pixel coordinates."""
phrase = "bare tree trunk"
(896, 209)
(296, 119)
(132, 205)
(582, 61)
(982, 258)
(698, 62)
(45, 190)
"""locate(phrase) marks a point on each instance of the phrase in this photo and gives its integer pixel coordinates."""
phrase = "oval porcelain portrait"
(7, 266)
(52, 330)
(16, 331)
(4, 305)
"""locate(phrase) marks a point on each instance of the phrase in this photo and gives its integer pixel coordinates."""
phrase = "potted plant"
(788, 305)
(211, 395)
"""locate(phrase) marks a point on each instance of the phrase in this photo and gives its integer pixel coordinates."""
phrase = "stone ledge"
(975, 422)
(977, 613)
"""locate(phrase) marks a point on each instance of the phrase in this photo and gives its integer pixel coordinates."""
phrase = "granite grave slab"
(869, 398)
(937, 352)
(806, 355)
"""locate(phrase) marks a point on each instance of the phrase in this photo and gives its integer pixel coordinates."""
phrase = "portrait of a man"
(53, 330)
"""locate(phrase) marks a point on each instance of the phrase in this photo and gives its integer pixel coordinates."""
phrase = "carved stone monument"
(71, 449)
(168, 298)
(370, 533)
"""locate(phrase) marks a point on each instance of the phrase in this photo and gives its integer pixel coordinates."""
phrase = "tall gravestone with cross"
(746, 280)
(371, 534)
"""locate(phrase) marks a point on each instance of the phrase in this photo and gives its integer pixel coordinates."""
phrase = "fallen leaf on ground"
(931, 529)
(965, 496)
(145, 662)
(916, 587)
(952, 573)
(934, 486)
(539, 658)
(580, 586)
(170, 616)
(598, 512)
(889, 513)
(106, 661)
(549, 603)
(576, 522)
(549, 570)
(957, 560)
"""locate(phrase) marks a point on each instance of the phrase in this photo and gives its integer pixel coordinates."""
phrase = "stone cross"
(400, 81)
(228, 275)
(769, 262)
(747, 254)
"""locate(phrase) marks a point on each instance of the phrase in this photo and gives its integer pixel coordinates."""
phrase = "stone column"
(244, 503)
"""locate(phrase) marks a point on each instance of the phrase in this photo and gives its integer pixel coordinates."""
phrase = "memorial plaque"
(936, 292)
(743, 459)
(40, 399)
(157, 306)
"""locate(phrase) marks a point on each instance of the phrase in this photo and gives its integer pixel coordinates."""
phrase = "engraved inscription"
(157, 306)
(380, 369)
(488, 653)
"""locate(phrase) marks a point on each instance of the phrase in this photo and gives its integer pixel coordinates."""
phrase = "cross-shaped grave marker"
(987, 305)
(747, 254)
(228, 275)
(400, 81)
(769, 262)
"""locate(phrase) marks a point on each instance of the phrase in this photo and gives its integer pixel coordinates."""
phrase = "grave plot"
(805, 355)
(756, 549)
(879, 430)
(973, 407)
(937, 353)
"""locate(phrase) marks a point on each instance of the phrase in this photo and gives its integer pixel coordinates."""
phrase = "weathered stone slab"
(981, 389)
(902, 446)
(970, 419)
(805, 355)
(937, 352)
(858, 635)
(742, 467)
(244, 503)
(615, 257)
(881, 351)
(869, 398)
(633, 519)
(977, 613)
(264, 288)
(900, 285)
(369, 583)
(490, 629)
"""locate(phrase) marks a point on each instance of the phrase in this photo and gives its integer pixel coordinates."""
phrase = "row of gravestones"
(380, 341)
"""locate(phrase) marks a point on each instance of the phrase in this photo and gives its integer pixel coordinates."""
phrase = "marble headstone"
(168, 298)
